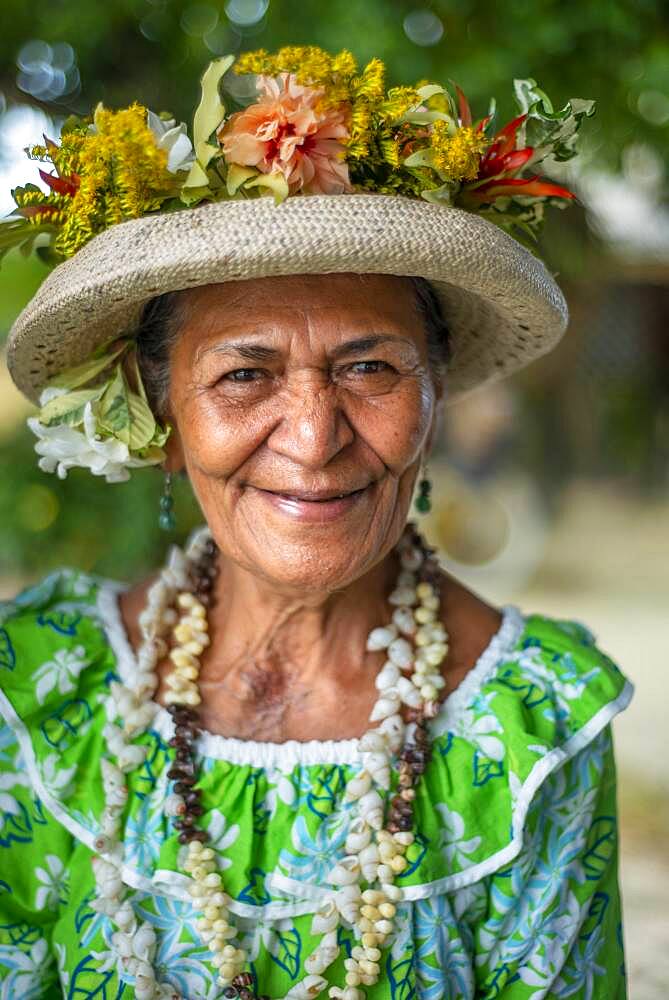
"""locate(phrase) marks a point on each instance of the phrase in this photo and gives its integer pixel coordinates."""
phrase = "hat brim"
(503, 307)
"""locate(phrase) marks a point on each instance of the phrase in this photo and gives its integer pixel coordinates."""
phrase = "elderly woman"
(301, 759)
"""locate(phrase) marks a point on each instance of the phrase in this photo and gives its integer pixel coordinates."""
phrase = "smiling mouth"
(316, 496)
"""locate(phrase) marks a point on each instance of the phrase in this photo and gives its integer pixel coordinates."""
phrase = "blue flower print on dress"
(436, 930)
(25, 970)
(316, 854)
(14, 775)
(580, 971)
(54, 889)
(144, 837)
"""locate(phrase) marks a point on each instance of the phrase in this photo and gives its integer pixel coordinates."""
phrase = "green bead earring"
(422, 503)
(166, 519)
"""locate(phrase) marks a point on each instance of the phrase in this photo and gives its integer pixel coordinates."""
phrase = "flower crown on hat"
(314, 123)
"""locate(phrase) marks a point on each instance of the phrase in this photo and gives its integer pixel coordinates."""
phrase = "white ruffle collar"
(292, 752)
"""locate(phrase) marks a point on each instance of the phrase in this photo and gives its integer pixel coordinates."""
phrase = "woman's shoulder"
(527, 729)
(544, 673)
(53, 639)
(537, 655)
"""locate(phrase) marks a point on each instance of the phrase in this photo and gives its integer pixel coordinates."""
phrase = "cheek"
(216, 443)
(395, 426)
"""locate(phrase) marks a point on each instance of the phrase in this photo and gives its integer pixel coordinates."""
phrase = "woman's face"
(302, 407)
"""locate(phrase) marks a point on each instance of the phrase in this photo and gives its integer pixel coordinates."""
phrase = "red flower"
(69, 184)
(502, 161)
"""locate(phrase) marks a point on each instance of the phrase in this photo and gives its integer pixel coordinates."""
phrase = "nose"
(313, 426)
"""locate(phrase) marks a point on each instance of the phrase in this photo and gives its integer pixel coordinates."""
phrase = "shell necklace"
(363, 895)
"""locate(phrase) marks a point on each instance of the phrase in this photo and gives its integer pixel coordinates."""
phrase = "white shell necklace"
(174, 623)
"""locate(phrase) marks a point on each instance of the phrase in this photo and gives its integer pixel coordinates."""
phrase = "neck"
(313, 634)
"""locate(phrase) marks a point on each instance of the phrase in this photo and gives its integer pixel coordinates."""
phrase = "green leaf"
(439, 196)
(424, 117)
(209, 114)
(48, 255)
(154, 453)
(142, 422)
(275, 182)
(197, 179)
(161, 435)
(430, 90)
(68, 409)
(549, 132)
(72, 378)
(20, 232)
(236, 176)
(114, 409)
(421, 158)
(73, 123)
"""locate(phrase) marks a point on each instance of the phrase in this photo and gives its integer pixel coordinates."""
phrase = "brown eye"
(370, 367)
(244, 375)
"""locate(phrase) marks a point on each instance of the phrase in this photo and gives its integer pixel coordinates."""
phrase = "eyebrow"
(259, 352)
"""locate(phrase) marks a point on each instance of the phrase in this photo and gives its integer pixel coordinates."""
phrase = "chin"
(317, 561)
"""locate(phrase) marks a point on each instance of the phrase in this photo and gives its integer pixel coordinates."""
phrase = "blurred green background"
(551, 489)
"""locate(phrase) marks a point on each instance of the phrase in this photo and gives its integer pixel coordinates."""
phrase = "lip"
(313, 506)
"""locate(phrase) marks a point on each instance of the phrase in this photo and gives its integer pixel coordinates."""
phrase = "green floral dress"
(512, 887)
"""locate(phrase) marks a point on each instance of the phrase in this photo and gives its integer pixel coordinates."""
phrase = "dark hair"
(162, 317)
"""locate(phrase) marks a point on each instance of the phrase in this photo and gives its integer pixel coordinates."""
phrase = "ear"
(174, 453)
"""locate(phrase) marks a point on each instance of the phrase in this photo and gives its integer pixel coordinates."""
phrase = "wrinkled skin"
(267, 398)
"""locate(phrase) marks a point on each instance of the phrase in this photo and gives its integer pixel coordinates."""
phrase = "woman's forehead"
(297, 312)
(340, 292)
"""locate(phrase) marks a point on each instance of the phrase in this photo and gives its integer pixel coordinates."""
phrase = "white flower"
(170, 137)
(174, 140)
(454, 848)
(12, 779)
(61, 958)
(61, 672)
(54, 890)
(63, 448)
(56, 780)
(26, 970)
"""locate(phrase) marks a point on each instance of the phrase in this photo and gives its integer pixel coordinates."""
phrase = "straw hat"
(502, 305)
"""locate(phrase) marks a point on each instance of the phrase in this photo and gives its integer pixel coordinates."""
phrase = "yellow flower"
(457, 156)
(310, 64)
(105, 174)
(398, 101)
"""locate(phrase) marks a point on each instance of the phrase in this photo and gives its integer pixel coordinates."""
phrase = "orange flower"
(289, 131)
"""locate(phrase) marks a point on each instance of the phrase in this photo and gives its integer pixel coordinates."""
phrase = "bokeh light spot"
(653, 105)
(37, 507)
(423, 27)
(34, 51)
(199, 19)
(246, 12)
(47, 72)
(222, 40)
